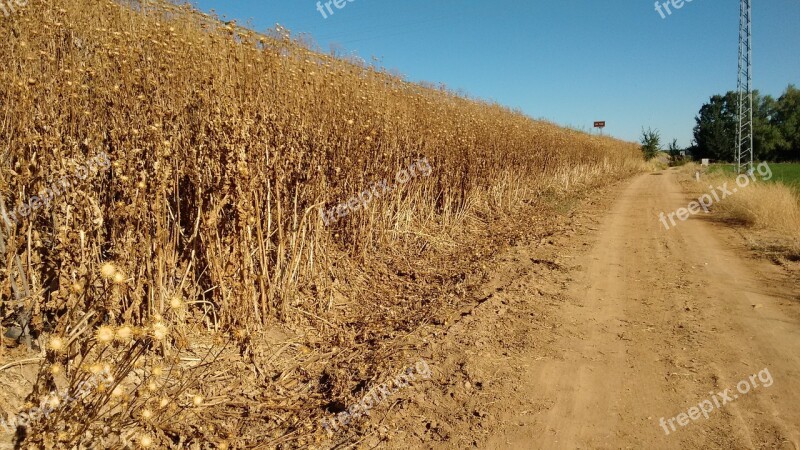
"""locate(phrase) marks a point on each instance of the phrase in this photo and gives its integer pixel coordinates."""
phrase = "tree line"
(776, 129)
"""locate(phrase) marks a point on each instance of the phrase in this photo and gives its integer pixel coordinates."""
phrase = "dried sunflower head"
(124, 333)
(119, 278)
(104, 334)
(108, 270)
(176, 302)
(56, 344)
(145, 441)
(160, 331)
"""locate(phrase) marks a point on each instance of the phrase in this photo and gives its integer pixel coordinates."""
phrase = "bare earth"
(586, 340)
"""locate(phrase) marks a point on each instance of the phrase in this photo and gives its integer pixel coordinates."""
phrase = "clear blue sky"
(568, 61)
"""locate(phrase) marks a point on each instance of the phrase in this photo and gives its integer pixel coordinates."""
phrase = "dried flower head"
(53, 401)
(160, 331)
(124, 333)
(197, 400)
(56, 369)
(119, 278)
(105, 334)
(56, 344)
(77, 287)
(176, 302)
(108, 270)
(145, 441)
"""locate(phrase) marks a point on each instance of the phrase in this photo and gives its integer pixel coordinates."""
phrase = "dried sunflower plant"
(52, 402)
(195, 272)
(121, 377)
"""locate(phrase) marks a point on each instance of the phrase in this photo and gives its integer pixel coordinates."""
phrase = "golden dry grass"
(766, 206)
(771, 210)
(224, 145)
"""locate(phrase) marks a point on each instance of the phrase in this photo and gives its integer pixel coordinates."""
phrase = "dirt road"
(588, 340)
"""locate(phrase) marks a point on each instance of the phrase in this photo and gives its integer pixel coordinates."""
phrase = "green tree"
(716, 124)
(787, 121)
(674, 148)
(767, 138)
(675, 157)
(651, 143)
(715, 129)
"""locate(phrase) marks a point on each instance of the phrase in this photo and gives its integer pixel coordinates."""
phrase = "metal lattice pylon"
(744, 130)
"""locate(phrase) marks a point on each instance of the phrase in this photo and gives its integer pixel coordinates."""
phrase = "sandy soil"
(587, 339)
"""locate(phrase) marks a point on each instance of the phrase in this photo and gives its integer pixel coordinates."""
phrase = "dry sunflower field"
(196, 274)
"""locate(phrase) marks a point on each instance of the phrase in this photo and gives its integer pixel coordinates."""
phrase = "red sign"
(600, 124)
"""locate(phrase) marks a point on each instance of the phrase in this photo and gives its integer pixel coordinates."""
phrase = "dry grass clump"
(765, 205)
(772, 210)
(224, 145)
(660, 162)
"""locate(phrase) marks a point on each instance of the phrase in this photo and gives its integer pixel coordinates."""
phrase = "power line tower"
(744, 131)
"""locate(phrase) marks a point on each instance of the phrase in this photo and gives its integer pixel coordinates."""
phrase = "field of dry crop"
(195, 272)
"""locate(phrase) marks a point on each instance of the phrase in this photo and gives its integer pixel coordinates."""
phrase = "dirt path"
(587, 340)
